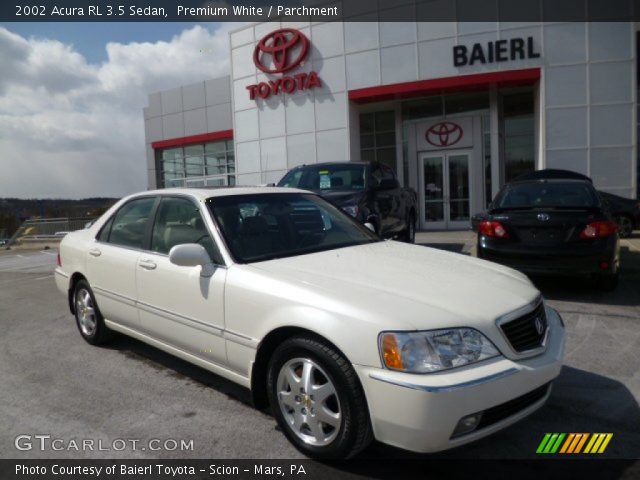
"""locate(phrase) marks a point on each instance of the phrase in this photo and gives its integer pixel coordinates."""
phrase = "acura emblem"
(543, 217)
(539, 326)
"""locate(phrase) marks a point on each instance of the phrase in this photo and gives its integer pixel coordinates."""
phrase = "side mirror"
(388, 184)
(370, 226)
(192, 255)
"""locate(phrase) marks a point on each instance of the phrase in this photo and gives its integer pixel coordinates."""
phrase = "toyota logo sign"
(278, 52)
(278, 46)
(444, 134)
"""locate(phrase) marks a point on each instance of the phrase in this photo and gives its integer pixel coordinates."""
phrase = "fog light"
(467, 424)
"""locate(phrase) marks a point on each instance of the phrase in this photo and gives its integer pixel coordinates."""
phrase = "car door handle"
(147, 264)
(95, 252)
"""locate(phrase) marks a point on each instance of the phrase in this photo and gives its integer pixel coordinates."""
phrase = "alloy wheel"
(86, 312)
(309, 402)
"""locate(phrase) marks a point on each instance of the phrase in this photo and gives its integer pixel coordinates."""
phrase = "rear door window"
(130, 223)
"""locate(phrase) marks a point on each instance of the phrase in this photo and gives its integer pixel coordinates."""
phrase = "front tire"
(317, 399)
(88, 317)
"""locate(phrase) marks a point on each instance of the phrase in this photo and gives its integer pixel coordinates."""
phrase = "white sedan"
(346, 337)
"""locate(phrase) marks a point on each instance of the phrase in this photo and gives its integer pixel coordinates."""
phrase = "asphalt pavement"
(53, 383)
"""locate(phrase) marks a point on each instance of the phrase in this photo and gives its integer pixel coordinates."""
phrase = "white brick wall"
(587, 103)
(195, 109)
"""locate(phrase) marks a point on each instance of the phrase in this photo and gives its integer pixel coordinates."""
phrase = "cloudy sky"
(71, 99)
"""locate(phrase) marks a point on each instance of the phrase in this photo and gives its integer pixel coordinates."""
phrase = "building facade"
(457, 109)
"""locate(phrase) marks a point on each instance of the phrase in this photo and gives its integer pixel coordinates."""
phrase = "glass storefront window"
(465, 104)
(199, 165)
(172, 154)
(378, 137)
(446, 106)
(519, 134)
(423, 108)
(486, 153)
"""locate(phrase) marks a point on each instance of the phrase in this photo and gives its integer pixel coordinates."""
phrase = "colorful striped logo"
(574, 443)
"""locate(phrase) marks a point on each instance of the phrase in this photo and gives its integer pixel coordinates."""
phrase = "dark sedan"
(551, 227)
(625, 212)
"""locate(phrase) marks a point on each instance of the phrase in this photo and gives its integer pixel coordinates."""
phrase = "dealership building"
(457, 109)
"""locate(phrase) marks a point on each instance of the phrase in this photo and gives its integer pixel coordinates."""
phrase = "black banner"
(312, 470)
(317, 11)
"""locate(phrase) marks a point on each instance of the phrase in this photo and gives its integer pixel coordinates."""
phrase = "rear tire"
(89, 320)
(625, 225)
(608, 282)
(317, 399)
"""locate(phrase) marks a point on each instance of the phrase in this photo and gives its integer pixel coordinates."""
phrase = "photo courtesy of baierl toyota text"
(319, 239)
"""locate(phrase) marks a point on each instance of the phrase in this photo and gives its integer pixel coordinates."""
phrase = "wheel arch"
(266, 348)
(412, 213)
(73, 281)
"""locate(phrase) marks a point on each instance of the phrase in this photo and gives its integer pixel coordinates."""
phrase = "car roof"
(551, 173)
(327, 164)
(205, 193)
(548, 180)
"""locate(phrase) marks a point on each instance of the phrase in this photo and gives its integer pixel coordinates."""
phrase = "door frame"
(446, 223)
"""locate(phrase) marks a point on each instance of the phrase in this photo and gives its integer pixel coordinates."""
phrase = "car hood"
(415, 286)
(341, 197)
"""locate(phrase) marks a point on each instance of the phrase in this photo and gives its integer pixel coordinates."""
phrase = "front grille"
(528, 331)
(507, 409)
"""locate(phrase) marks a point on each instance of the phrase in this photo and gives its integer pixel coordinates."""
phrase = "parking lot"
(54, 383)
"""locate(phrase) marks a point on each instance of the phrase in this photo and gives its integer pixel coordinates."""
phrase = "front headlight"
(434, 350)
(351, 210)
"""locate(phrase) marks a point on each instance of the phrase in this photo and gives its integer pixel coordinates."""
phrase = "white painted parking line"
(630, 245)
(30, 266)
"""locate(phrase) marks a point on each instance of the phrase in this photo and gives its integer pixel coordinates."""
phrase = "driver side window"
(179, 221)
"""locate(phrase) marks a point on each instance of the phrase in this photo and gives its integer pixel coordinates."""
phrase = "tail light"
(58, 260)
(600, 229)
(492, 229)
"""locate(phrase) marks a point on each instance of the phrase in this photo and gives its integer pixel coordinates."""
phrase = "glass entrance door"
(444, 190)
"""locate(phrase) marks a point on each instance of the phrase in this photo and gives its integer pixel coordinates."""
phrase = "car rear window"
(547, 194)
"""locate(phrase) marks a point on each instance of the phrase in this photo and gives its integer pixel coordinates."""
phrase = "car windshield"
(275, 225)
(326, 177)
(547, 195)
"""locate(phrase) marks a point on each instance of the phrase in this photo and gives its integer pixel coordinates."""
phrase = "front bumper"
(420, 412)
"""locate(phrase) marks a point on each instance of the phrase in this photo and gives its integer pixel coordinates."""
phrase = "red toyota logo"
(277, 45)
(444, 134)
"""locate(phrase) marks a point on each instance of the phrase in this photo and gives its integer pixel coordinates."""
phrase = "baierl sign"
(279, 53)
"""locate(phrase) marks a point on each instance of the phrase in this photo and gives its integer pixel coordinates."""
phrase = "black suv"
(370, 192)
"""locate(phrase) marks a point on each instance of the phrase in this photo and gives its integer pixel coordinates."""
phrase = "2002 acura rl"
(346, 336)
